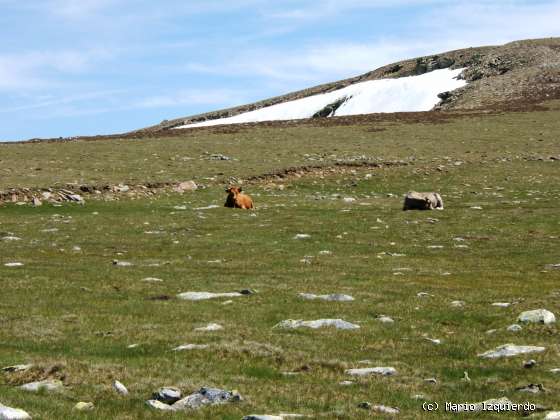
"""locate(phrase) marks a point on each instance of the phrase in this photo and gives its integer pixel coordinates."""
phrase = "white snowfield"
(405, 94)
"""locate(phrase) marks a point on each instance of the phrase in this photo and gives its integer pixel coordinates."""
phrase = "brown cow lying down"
(422, 201)
(236, 199)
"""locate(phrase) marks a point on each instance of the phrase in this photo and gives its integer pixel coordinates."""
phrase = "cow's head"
(233, 190)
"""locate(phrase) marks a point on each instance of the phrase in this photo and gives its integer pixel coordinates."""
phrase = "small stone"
(365, 405)
(191, 347)
(167, 395)
(501, 304)
(346, 383)
(538, 316)
(207, 396)
(46, 385)
(158, 405)
(386, 410)
(120, 388)
(430, 381)
(152, 280)
(532, 388)
(16, 368)
(319, 323)
(458, 303)
(383, 371)
(385, 319)
(210, 327)
(13, 264)
(553, 415)
(186, 186)
(195, 296)
(529, 364)
(514, 328)
(509, 350)
(9, 413)
(302, 236)
(433, 340)
(262, 417)
(36, 202)
(122, 263)
(332, 297)
(84, 406)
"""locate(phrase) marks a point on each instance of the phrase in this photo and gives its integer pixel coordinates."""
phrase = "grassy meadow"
(73, 314)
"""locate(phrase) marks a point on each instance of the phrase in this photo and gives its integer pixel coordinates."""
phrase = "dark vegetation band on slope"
(521, 71)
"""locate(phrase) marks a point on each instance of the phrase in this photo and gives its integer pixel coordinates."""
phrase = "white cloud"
(216, 97)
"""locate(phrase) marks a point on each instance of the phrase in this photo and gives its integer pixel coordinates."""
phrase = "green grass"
(76, 310)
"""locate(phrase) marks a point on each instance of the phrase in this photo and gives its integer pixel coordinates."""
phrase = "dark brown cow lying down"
(236, 199)
(422, 201)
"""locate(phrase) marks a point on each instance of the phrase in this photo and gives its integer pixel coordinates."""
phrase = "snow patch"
(404, 94)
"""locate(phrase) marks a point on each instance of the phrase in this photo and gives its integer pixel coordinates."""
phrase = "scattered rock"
(431, 381)
(514, 328)
(532, 388)
(13, 264)
(120, 388)
(152, 280)
(36, 202)
(458, 303)
(122, 263)
(84, 406)
(386, 410)
(480, 406)
(16, 368)
(319, 323)
(184, 347)
(385, 319)
(552, 266)
(501, 304)
(9, 413)
(332, 297)
(383, 371)
(206, 396)
(195, 296)
(365, 405)
(540, 316)
(302, 236)
(46, 385)
(555, 370)
(158, 405)
(553, 415)
(11, 238)
(509, 350)
(210, 327)
(529, 364)
(346, 383)
(186, 186)
(167, 395)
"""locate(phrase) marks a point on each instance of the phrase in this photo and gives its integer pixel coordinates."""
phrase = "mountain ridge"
(519, 71)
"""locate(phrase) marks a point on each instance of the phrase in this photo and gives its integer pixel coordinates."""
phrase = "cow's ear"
(240, 189)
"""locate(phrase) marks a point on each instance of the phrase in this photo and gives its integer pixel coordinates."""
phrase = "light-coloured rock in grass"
(385, 319)
(509, 350)
(158, 405)
(118, 263)
(480, 405)
(348, 199)
(458, 303)
(514, 328)
(195, 296)
(552, 415)
(210, 207)
(84, 406)
(433, 340)
(11, 238)
(333, 297)
(555, 370)
(120, 388)
(186, 186)
(552, 266)
(422, 201)
(210, 327)
(532, 388)
(9, 413)
(385, 410)
(538, 316)
(167, 395)
(501, 304)
(302, 236)
(346, 383)
(184, 347)
(319, 323)
(262, 417)
(47, 385)
(424, 294)
(14, 264)
(383, 371)
(325, 252)
(152, 280)
(206, 396)
(16, 368)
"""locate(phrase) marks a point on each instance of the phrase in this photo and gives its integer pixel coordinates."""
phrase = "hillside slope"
(496, 76)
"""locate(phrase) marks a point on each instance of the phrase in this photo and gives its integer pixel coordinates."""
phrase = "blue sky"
(82, 67)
